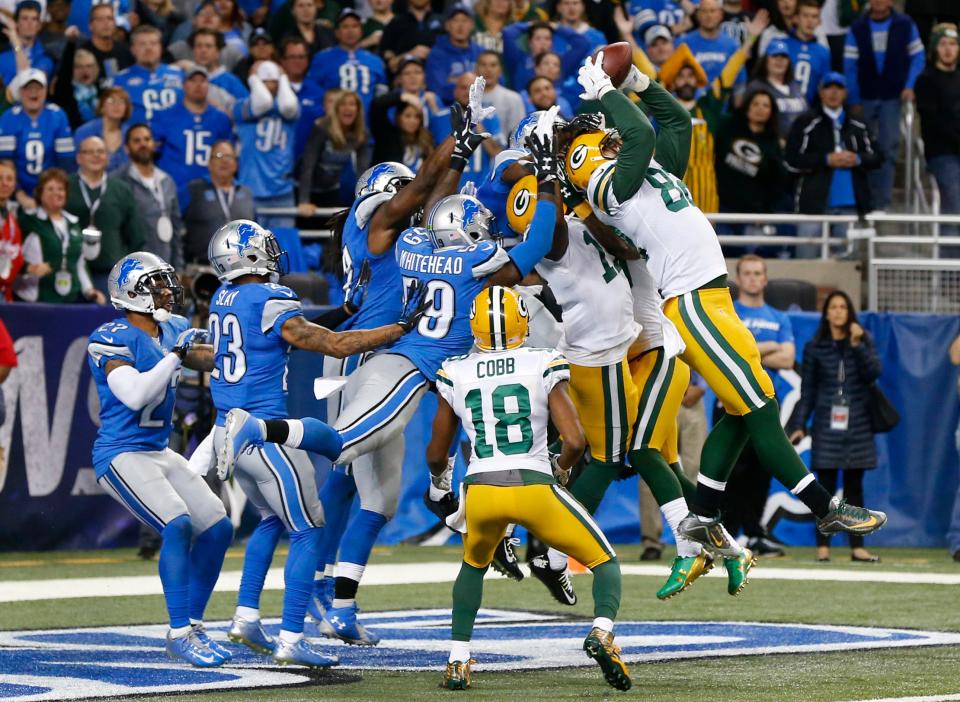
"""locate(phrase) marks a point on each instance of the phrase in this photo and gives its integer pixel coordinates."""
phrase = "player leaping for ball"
(504, 394)
(645, 199)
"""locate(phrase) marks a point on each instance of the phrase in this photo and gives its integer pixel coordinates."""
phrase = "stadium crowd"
(137, 124)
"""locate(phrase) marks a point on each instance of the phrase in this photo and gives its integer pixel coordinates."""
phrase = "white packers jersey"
(660, 218)
(594, 292)
(545, 331)
(657, 330)
(501, 398)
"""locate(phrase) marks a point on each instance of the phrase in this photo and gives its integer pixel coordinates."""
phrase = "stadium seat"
(791, 294)
(312, 289)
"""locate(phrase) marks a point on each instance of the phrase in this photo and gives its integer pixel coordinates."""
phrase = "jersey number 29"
(435, 322)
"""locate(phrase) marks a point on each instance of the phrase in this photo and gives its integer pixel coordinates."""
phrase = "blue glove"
(187, 339)
(358, 289)
(414, 306)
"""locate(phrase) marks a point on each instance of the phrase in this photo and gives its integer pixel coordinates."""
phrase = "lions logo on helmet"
(139, 282)
(386, 177)
(499, 319)
(242, 247)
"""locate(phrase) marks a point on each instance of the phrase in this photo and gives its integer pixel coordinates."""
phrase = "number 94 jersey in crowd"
(250, 353)
(501, 398)
(453, 276)
(122, 429)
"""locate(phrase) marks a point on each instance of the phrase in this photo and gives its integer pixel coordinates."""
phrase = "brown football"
(617, 59)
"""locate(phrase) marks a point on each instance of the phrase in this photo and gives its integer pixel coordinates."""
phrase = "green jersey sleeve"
(639, 141)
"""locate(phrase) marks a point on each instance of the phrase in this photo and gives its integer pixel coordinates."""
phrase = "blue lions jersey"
(122, 429)
(36, 144)
(266, 150)
(250, 354)
(767, 323)
(149, 92)
(646, 13)
(454, 276)
(383, 302)
(712, 54)
(359, 71)
(184, 139)
(811, 62)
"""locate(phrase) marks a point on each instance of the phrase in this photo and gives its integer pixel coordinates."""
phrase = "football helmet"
(587, 153)
(521, 203)
(459, 220)
(242, 247)
(386, 177)
(136, 281)
(499, 319)
(518, 140)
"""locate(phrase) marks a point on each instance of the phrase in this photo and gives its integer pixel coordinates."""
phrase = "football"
(617, 59)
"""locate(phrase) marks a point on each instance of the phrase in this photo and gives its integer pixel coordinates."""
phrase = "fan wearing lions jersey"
(504, 394)
(645, 199)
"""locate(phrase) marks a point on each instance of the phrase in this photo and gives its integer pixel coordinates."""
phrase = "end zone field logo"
(73, 664)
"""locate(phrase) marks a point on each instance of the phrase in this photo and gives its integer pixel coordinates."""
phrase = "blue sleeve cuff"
(527, 255)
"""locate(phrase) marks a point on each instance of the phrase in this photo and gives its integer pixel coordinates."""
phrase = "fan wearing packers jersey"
(645, 199)
(632, 406)
(504, 394)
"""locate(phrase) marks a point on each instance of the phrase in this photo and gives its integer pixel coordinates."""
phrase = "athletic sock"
(298, 578)
(779, 458)
(603, 623)
(174, 569)
(606, 589)
(720, 452)
(361, 536)
(558, 560)
(592, 483)
(459, 651)
(467, 596)
(180, 631)
(248, 614)
(336, 496)
(308, 434)
(290, 637)
(674, 512)
(257, 559)
(206, 561)
(688, 487)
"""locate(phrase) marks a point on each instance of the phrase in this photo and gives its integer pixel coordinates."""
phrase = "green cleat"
(684, 571)
(457, 676)
(737, 570)
(849, 518)
(600, 647)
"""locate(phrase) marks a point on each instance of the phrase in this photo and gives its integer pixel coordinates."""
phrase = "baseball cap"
(458, 9)
(194, 70)
(657, 31)
(408, 59)
(30, 75)
(268, 70)
(345, 13)
(260, 34)
(778, 47)
(833, 78)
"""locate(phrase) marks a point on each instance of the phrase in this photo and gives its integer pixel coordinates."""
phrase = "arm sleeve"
(639, 140)
(445, 385)
(287, 102)
(556, 369)
(525, 256)
(732, 72)
(83, 276)
(310, 154)
(676, 128)
(260, 98)
(851, 56)
(917, 57)
(135, 389)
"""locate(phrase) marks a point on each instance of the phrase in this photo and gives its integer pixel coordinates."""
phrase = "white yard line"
(921, 698)
(416, 573)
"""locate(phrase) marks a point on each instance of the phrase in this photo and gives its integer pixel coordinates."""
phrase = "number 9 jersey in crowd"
(123, 430)
(250, 362)
(453, 275)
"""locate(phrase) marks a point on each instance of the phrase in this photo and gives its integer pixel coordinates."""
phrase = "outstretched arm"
(673, 140)
(308, 336)
(564, 416)
(393, 216)
(639, 141)
(446, 424)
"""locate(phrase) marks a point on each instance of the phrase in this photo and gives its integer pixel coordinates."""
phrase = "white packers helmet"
(499, 319)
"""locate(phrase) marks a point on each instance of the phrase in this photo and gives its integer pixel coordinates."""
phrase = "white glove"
(561, 474)
(440, 484)
(469, 188)
(636, 80)
(592, 78)
(477, 111)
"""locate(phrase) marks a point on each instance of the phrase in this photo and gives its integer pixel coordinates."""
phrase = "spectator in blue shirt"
(266, 123)
(34, 135)
(294, 60)
(749, 484)
(24, 44)
(522, 41)
(453, 53)
(187, 131)
(648, 13)
(710, 46)
(572, 14)
(547, 65)
(882, 59)
(810, 59)
(207, 45)
(346, 66)
(152, 86)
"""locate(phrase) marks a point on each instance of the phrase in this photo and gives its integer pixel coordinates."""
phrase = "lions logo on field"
(119, 661)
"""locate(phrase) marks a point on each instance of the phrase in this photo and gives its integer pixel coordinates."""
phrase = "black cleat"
(763, 547)
(505, 559)
(557, 581)
(849, 518)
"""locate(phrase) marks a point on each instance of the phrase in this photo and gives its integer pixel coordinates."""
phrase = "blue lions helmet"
(518, 140)
(136, 281)
(242, 247)
(386, 177)
(460, 220)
